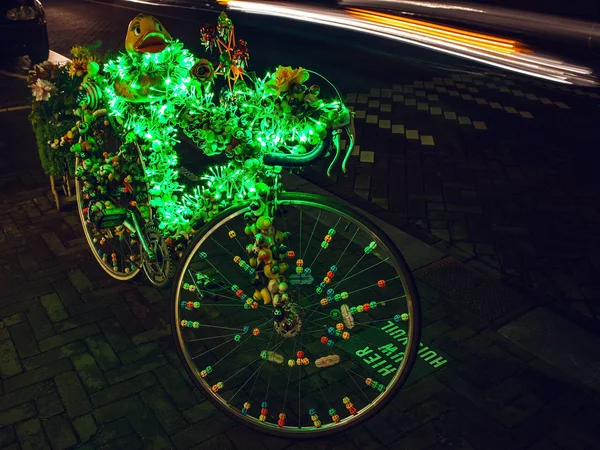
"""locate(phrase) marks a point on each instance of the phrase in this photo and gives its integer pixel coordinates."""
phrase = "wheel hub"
(287, 319)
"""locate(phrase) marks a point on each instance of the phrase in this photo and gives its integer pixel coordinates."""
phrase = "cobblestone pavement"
(498, 168)
(88, 362)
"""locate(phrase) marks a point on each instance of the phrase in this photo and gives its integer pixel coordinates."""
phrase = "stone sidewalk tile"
(149, 430)
(31, 435)
(37, 375)
(68, 337)
(118, 409)
(123, 389)
(49, 405)
(89, 373)
(85, 427)
(10, 364)
(26, 394)
(133, 369)
(164, 409)
(73, 394)
(60, 433)
(176, 387)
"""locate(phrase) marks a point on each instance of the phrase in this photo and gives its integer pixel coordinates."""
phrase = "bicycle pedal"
(110, 217)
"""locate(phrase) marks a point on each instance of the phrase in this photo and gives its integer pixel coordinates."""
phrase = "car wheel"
(41, 51)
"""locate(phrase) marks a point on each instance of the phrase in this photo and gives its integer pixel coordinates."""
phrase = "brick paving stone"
(149, 430)
(115, 335)
(130, 442)
(127, 371)
(90, 374)
(53, 242)
(26, 394)
(28, 262)
(7, 436)
(118, 409)
(171, 380)
(124, 389)
(195, 434)
(150, 294)
(435, 330)
(99, 303)
(143, 310)
(80, 281)
(14, 319)
(139, 352)
(17, 414)
(31, 435)
(37, 375)
(85, 427)
(54, 355)
(40, 323)
(219, 442)
(199, 412)
(163, 408)
(82, 319)
(246, 438)
(103, 352)
(24, 340)
(419, 439)
(73, 394)
(59, 433)
(67, 293)
(68, 336)
(49, 405)
(9, 360)
(150, 335)
(131, 324)
(112, 431)
(519, 410)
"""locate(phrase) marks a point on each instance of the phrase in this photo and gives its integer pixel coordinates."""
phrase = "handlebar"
(289, 161)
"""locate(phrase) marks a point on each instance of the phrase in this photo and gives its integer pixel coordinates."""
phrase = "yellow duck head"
(146, 34)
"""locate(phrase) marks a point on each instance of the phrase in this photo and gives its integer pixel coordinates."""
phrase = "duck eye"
(158, 26)
(137, 30)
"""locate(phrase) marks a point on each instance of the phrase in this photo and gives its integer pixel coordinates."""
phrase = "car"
(23, 29)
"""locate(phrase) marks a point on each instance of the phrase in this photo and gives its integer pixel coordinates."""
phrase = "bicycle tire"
(399, 265)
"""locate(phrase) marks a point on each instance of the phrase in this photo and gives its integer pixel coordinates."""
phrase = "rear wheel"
(321, 348)
(106, 203)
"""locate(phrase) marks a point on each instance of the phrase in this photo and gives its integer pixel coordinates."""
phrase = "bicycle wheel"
(103, 202)
(333, 354)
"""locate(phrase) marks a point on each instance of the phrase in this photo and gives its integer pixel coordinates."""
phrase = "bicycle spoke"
(310, 352)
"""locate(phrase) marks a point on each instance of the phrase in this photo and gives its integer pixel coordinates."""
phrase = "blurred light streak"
(453, 34)
(528, 64)
(521, 21)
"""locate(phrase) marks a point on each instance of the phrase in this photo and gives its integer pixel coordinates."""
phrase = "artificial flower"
(45, 71)
(203, 71)
(42, 90)
(284, 78)
(78, 67)
(80, 52)
(208, 34)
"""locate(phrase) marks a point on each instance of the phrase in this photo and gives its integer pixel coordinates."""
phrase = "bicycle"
(294, 314)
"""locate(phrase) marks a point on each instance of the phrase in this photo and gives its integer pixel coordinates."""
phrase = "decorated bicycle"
(294, 313)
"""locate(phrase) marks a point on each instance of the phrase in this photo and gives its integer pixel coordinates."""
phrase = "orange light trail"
(453, 34)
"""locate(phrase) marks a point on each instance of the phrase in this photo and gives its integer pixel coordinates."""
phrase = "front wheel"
(319, 349)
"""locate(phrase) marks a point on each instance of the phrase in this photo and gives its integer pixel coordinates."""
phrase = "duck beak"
(151, 42)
